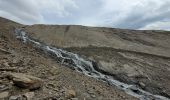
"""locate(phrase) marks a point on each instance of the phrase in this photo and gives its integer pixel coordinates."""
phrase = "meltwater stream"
(86, 67)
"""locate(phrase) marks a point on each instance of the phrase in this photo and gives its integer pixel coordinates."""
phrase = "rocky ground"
(27, 74)
(149, 72)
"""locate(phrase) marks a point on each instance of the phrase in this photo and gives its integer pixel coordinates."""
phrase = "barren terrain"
(134, 57)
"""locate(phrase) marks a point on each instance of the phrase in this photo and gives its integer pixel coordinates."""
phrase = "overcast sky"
(131, 14)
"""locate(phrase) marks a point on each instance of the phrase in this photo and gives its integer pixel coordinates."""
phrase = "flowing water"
(85, 66)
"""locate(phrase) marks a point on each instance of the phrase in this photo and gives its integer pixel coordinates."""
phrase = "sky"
(127, 14)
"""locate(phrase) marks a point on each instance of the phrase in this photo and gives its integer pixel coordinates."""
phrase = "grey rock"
(17, 97)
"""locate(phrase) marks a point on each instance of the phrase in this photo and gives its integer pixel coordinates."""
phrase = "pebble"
(142, 84)
(93, 96)
(74, 98)
(17, 97)
(70, 94)
(29, 95)
(6, 64)
(3, 87)
(26, 96)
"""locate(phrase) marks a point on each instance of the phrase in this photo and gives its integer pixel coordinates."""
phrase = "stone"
(70, 93)
(4, 95)
(26, 96)
(142, 84)
(29, 95)
(5, 51)
(74, 98)
(8, 69)
(50, 86)
(25, 81)
(93, 96)
(6, 64)
(14, 61)
(4, 87)
(123, 97)
(90, 91)
(17, 97)
(26, 61)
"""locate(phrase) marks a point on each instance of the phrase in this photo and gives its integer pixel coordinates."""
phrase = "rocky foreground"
(28, 74)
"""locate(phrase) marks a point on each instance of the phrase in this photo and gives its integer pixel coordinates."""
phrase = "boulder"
(25, 81)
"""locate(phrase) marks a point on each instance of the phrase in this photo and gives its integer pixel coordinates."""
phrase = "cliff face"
(135, 57)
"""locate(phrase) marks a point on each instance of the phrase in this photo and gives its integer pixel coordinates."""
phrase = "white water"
(86, 67)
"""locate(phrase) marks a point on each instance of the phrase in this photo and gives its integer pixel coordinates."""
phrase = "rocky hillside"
(133, 56)
(139, 58)
(151, 42)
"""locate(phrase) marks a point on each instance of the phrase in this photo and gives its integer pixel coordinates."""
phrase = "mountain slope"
(59, 82)
(151, 42)
(135, 57)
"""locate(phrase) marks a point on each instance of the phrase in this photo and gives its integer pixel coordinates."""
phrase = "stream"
(85, 66)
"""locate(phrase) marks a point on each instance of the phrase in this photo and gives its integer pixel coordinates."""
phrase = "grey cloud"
(109, 13)
(21, 11)
(140, 17)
